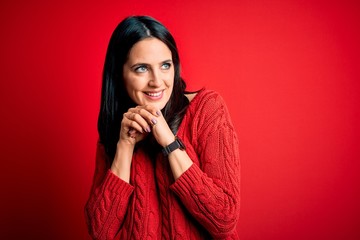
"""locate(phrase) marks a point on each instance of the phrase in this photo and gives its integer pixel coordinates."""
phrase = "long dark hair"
(114, 98)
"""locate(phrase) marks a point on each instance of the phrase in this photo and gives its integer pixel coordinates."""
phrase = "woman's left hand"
(160, 129)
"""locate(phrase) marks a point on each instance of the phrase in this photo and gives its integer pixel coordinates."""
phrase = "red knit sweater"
(202, 204)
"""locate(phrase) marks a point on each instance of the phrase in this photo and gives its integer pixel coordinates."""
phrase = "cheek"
(128, 86)
(170, 80)
(132, 84)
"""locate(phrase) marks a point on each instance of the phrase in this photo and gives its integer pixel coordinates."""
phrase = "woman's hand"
(140, 121)
(134, 127)
(136, 124)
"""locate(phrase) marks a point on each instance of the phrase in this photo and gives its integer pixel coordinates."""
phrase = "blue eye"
(141, 69)
(166, 66)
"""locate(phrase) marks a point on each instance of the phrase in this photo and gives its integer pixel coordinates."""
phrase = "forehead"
(149, 50)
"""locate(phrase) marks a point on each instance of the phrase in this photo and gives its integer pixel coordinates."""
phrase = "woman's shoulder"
(205, 113)
(205, 98)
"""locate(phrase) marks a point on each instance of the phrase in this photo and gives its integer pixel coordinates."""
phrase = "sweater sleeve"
(108, 200)
(211, 191)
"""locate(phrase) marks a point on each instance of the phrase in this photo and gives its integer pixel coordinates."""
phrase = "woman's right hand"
(136, 125)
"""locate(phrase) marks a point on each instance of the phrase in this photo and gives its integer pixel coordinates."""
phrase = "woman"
(167, 162)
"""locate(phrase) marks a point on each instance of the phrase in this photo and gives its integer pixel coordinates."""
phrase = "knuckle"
(132, 124)
(151, 107)
(142, 111)
(135, 116)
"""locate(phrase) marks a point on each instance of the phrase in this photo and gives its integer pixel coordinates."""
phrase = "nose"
(155, 78)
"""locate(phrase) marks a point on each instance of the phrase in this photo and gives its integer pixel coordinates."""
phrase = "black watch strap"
(173, 146)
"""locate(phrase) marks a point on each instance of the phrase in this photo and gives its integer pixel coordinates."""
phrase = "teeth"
(154, 94)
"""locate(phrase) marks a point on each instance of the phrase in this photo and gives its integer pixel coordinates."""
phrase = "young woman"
(167, 162)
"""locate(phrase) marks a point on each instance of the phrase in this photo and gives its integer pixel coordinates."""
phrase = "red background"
(288, 70)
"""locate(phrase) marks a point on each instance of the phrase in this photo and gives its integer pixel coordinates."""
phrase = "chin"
(160, 105)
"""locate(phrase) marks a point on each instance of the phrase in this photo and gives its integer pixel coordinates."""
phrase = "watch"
(173, 146)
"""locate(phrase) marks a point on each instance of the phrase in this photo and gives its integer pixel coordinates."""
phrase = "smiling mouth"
(154, 94)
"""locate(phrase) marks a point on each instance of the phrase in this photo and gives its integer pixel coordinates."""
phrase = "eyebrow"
(146, 64)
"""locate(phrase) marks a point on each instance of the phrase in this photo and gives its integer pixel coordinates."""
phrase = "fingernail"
(153, 120)
(158, 112)
(147, 129)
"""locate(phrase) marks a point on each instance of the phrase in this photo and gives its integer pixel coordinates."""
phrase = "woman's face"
(149, 73)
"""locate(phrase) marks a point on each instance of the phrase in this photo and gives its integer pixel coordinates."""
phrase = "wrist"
(124, 151)
(168, 140)
(122, 160)
(124, 144)
(173, 146)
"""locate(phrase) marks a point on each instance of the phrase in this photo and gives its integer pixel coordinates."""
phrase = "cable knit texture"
(203, 203)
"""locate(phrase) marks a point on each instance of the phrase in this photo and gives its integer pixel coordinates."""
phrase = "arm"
(111, 191)
(212, 193)
(108, 200)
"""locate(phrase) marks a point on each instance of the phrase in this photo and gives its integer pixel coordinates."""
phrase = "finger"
(148, 108)
(153, 110)
(129, 124)
(132, 133)
(145, 113)
(138, 121)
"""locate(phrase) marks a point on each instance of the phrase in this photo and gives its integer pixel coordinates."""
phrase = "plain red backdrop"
(288, 70)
